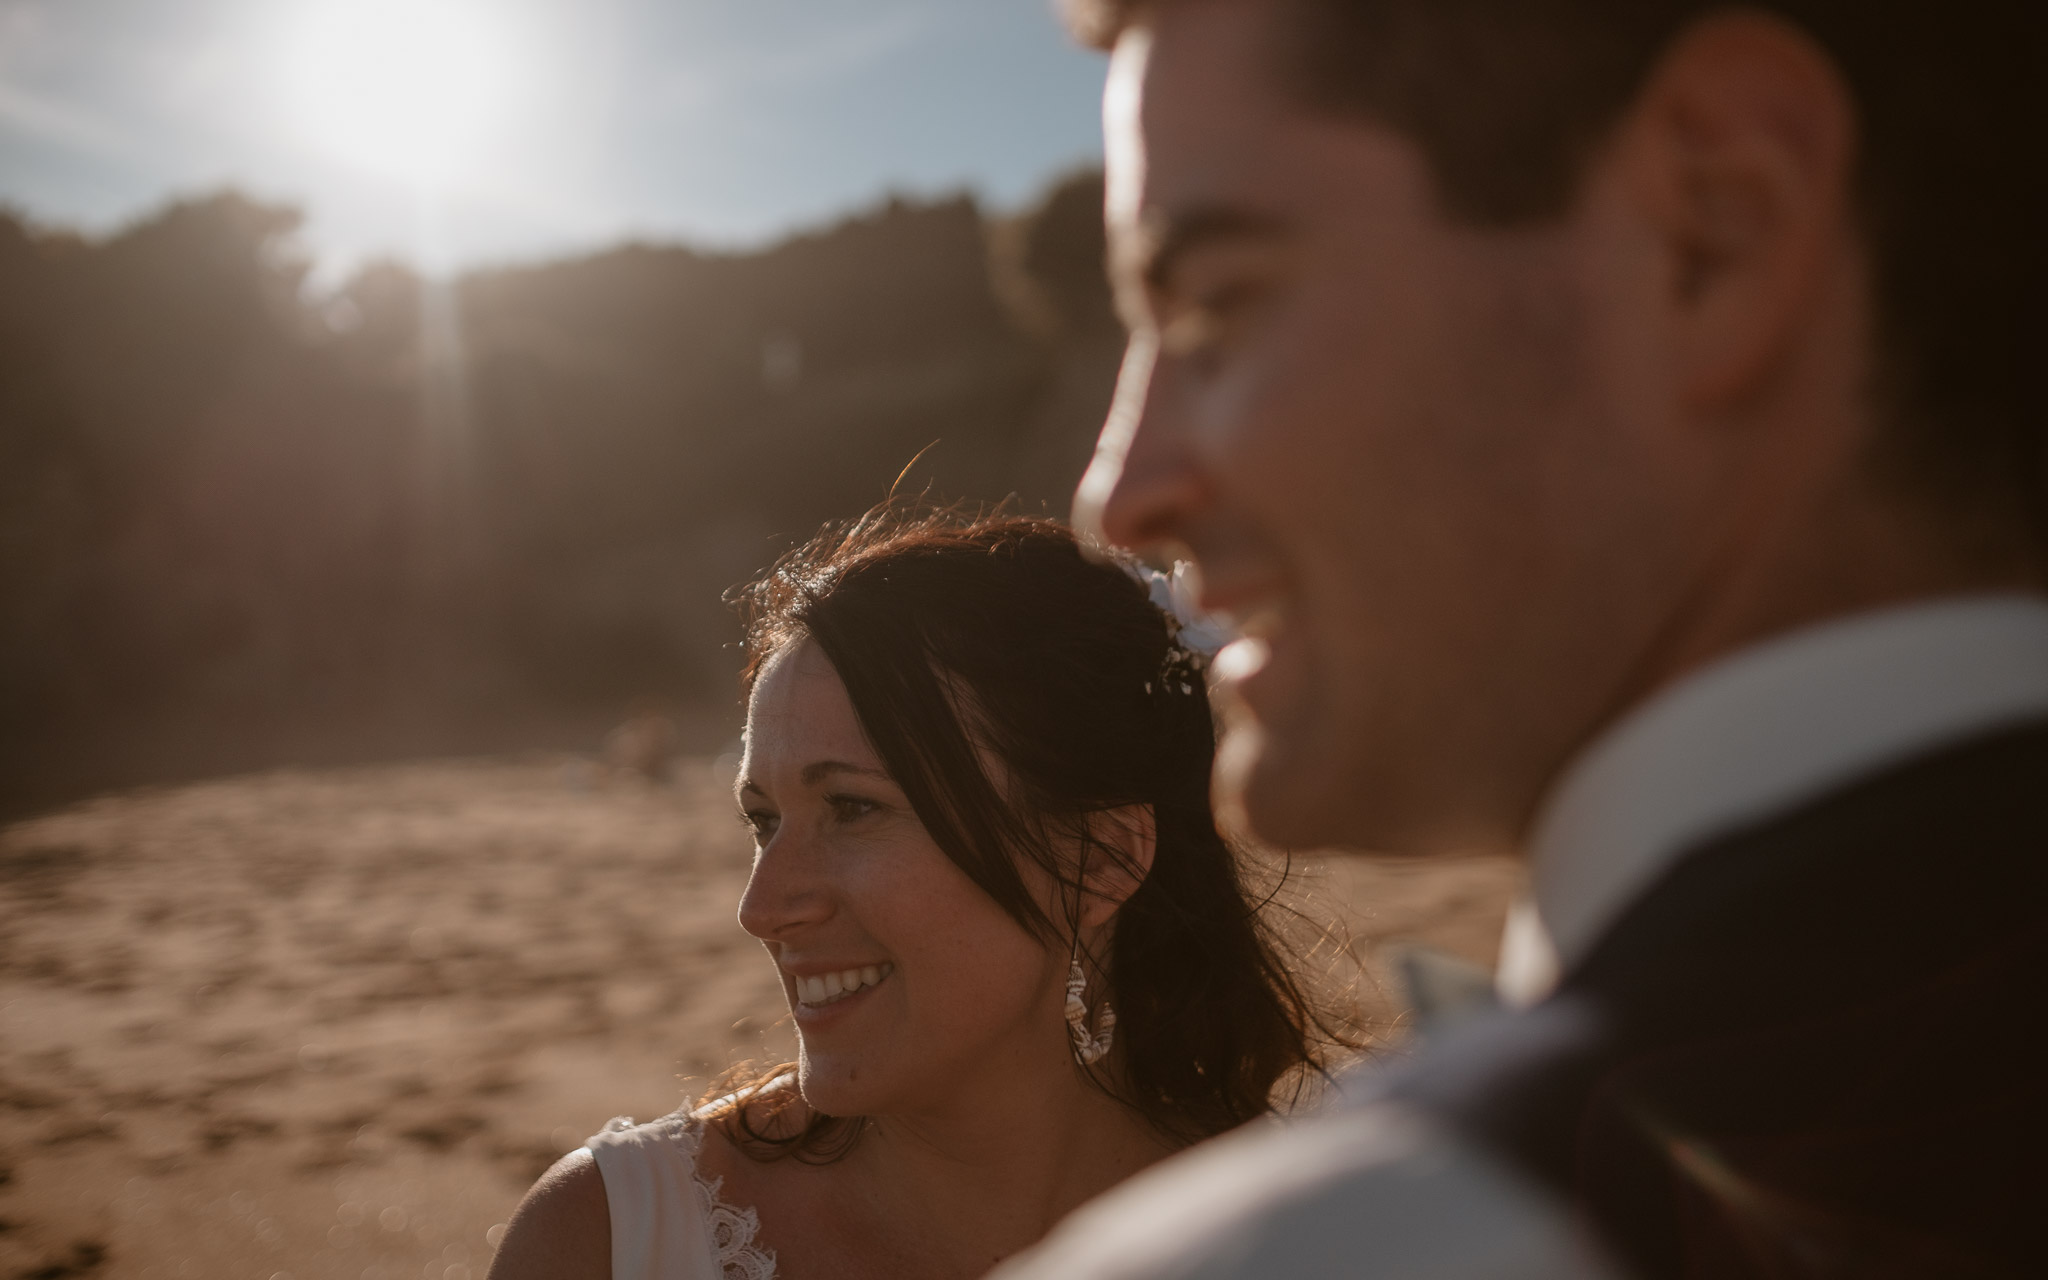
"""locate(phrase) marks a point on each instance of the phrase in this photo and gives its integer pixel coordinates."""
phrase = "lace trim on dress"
(732, 1228)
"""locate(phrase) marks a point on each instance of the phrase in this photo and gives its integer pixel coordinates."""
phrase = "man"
(1616, 426)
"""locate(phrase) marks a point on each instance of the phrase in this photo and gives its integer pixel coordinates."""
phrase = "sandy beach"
(327, 1025)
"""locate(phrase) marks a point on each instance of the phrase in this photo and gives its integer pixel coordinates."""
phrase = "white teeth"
(832, 987)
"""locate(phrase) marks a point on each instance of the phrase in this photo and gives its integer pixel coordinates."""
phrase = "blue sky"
(453, 132)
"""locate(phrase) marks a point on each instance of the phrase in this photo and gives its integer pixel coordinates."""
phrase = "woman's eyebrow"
(819, 770)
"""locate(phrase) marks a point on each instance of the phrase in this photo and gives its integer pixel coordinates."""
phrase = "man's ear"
(1740, 150)
(1122, 844)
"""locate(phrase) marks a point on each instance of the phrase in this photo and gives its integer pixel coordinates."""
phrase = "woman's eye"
(760, 822)
(849, 808)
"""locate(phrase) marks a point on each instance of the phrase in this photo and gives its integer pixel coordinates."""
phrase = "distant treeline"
(242, 523)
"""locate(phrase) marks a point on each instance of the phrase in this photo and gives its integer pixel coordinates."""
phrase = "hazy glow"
(493, 131)
(406, 88)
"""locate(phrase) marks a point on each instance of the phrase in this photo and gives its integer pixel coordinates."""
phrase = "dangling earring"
(1088, 1048)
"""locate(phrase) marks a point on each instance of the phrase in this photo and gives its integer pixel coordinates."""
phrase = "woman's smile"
(817, 992)
(943, 877)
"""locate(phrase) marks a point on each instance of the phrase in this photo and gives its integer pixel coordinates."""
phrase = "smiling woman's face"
(907, 982)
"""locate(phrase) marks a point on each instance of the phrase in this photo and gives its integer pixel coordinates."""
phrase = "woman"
(1021, 960)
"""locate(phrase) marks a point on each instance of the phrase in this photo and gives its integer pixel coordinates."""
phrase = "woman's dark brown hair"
(954, 633)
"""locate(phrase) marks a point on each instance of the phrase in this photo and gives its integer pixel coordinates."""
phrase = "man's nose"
(783, 895)
(1142, 485)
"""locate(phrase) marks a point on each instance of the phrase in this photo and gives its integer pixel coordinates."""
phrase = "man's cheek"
(1250, 408)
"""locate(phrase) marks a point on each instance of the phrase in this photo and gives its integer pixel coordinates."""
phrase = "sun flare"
(406, 88)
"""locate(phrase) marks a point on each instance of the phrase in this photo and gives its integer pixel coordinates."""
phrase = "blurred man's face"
(1386, 439)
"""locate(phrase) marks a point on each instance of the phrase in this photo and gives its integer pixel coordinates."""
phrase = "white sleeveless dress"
(667, 1221)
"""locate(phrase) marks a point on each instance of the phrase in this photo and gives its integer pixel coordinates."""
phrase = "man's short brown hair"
(1507, 98)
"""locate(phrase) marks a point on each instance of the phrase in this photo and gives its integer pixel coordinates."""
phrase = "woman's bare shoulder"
(562, 1230)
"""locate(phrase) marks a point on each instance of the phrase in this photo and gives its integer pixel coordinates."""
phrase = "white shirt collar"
(1754, 735)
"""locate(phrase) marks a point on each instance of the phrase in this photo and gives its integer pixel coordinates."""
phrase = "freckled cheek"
(962, 959)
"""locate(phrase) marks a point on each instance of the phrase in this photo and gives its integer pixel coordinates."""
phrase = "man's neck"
(1755, 736)
(1858, 550)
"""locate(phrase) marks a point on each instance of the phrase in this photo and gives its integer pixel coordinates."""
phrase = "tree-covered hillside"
(242, 523)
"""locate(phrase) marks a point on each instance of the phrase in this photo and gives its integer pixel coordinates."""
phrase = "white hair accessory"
(1174, 593)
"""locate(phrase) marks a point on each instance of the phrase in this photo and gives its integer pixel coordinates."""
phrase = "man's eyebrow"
(1166, 238)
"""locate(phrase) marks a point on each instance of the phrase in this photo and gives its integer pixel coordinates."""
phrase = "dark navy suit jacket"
(1815, 1048)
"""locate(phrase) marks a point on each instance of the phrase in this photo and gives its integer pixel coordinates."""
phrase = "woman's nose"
(783, 895)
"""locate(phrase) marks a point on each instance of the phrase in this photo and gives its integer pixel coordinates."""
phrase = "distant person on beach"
(1022, 961)
(1618, 426)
